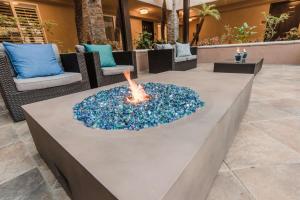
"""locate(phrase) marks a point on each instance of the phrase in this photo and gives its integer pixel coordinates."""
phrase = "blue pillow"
(33, 60)
(105, 52)
(183, 50)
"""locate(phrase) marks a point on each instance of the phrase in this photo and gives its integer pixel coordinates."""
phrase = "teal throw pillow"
(105, 52)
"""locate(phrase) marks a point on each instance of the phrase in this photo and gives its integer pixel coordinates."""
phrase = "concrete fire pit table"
(177, 161)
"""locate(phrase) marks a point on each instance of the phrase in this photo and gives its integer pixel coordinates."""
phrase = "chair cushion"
(33, 60)
(183, 50)
(47, 82)
(163, 46)
(158, 46)
(105, 52)
(186, 58)
(168, 46)
(119, 69)
(57, 54)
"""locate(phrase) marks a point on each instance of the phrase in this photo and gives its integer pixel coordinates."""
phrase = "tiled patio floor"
(262, 164)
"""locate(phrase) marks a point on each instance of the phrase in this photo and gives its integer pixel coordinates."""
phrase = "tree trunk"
(173, 24)
(78, 20)
(198, 30)
(163, 20)
(93, 27)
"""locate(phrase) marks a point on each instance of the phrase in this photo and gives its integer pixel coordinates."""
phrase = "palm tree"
(78, 20)
(207, 10)
(173, 24)
(89, 21)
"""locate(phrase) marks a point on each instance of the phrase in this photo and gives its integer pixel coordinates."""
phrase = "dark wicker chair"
(164, 60)
(96, 76)
(14, 99)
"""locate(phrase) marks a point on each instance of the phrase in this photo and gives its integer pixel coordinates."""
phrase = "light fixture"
(144, 11)
(190, 19)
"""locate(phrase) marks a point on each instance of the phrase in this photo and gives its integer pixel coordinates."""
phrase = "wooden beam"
(125, 25)
(186, 23)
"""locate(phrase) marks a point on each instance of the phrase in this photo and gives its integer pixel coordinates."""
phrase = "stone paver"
(262, 164)
(28, 186)
(227, 186)
(252, 147)
(272, 183)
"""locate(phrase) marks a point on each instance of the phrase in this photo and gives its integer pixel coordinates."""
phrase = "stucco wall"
(136, 29)
(65, 31)
(64, 34)
(286, 52)
(236, 17)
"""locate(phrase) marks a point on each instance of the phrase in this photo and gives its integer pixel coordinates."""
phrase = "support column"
(125, 25)
(186, 23)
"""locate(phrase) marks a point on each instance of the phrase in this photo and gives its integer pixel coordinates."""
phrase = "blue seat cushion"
(105, 52)
(33, 60)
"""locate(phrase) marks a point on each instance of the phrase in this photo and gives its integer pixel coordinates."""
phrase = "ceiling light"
(144, 11)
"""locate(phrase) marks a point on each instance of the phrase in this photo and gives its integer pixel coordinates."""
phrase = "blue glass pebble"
(109, 110)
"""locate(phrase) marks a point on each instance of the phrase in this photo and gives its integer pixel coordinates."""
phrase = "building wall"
(136, 29)
(64, 34)
(65, 31)
(235, 17)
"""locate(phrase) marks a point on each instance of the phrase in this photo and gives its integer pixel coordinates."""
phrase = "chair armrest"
(7, 84)
(93, 65)
(75, 62)
(124, 57)
(160, 60)
(194, 50)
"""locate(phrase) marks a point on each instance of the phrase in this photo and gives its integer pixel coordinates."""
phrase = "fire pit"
(137, 106)
(176, 161)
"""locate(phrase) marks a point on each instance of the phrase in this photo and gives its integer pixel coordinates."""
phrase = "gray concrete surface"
(167, 162)
(276, 86)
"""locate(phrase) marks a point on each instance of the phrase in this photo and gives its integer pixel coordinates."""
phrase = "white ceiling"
(179, 3)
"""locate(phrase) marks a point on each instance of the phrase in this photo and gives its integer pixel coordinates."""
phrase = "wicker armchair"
(97, 76)
(165, 60)
(14, 99)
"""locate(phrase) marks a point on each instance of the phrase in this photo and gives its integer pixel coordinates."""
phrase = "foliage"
(272, 23)
(208, 10)
(210, 41)
(292, 34)
(9, 27)
(228, 36)
(243, 33)
(144, 41)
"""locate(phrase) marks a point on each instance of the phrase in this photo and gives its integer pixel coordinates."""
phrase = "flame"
(138, 93)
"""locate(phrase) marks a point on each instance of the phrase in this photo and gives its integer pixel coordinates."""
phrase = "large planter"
(283, 52)
(142, 60)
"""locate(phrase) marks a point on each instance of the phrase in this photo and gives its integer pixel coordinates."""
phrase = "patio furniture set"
(164, 162)
(82, 71)
(166, 58)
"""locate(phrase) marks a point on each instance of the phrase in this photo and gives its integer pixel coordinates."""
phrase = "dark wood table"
(249, 67)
